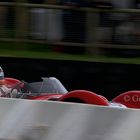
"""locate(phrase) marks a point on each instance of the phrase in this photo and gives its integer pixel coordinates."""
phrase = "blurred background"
(87, 27)
(104, 32)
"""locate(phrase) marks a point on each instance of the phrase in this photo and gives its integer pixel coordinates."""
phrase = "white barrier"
(50, 120)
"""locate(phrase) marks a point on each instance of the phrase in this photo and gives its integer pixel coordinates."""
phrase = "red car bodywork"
(130, 99)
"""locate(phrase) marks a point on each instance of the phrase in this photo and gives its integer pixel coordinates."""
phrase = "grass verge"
(45, 52)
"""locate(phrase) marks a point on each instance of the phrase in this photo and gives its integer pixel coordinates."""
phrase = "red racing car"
(50, 88)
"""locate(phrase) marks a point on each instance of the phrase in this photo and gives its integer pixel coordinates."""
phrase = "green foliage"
(46, 52)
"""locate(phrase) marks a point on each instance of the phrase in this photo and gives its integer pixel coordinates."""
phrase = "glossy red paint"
(10, 82)
(130, 99)
(86, 96)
